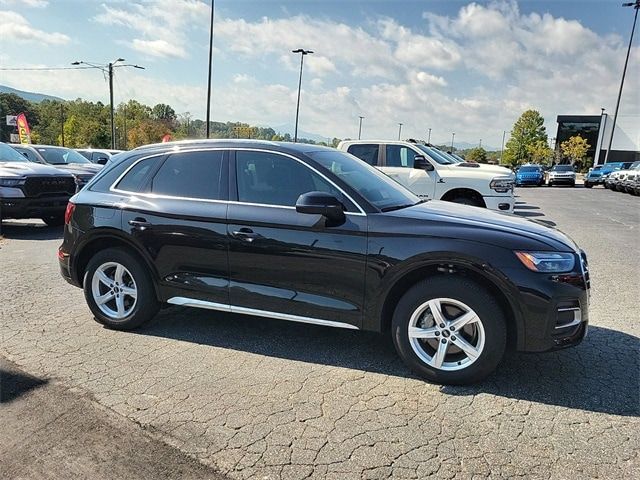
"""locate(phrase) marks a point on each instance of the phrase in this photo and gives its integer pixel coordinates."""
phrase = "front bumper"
(555, 308)
(503, 204)
(33, 207)
(529, 181)
(562, 180)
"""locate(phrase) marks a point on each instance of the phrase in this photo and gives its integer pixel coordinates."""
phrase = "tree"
(12, 104)
(164, 113)
(477, 154)
(540, 152)
(526, 132)
(575, 149)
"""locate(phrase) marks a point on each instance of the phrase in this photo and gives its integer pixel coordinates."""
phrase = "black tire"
(550, 183)
(587, 185)
(474, 296)
(467, 201)
(146, 304)
(573, 184)
(54, 220)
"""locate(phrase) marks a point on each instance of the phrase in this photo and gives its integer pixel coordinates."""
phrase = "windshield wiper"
(401, 206)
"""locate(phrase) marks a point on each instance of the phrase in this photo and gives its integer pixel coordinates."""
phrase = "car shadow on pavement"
(14, 383)
(30, 231)
(599, 375)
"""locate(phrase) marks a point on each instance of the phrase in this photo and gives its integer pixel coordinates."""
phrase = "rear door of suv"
(176, 211)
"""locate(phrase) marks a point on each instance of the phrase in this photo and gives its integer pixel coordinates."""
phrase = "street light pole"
(480, 144)
(429, 138)
(360, 128)
(108, 69)
(453, 136)
(399, 130)
(210, 65)
(636, 7)
(504, 133)
(62, 122)
(302, 53)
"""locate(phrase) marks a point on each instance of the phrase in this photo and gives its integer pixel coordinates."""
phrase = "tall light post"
(480, 144)
(360, 127)
(453, 136)
(429, 138)
(636, 7)
(302, 53)
(399, 130)
(210, 72)
(504, 133)
(108, 69)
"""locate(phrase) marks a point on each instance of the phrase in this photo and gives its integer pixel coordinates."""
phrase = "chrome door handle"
(245, 234)
(139, 223)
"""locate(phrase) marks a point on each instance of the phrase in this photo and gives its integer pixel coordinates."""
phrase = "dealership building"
(596, 129)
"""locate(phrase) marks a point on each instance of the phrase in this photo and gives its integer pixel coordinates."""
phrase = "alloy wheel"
(446, 334)
(114, 290)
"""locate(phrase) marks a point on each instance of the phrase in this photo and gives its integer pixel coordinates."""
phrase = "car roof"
(285, 147)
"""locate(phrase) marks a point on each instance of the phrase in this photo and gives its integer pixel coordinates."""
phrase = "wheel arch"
(477, 272)
(465, 192)
(108, 238)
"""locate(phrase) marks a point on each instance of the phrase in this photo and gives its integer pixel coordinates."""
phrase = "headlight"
(502, 184)
(551, 262)
(11, 182)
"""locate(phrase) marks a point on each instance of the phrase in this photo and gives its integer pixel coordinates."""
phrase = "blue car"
(599, 173)
(530, 175)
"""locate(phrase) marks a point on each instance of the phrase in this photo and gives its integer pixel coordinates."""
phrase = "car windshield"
(8, 154)
(635, 166)
(61, 156)
(562, 168)
(436, 155)
(529, 169)
(378, 189)
(597, 168)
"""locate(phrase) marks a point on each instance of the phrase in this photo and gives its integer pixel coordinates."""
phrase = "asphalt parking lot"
(260, 398)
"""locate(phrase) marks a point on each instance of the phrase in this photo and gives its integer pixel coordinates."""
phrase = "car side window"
(191, 175)
(30, 156)
(398, 156)
(368, 153)
(134, 179)
(272, 179)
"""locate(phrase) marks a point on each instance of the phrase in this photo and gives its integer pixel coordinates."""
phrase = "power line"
(43, 68)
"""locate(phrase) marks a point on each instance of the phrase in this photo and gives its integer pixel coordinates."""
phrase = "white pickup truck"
(433, 174)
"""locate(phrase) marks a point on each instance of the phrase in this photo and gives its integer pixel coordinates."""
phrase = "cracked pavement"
(261, 398)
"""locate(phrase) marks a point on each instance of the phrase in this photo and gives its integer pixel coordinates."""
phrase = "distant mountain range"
(30, 96)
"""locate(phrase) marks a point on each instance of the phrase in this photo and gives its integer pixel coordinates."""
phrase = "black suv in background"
(30, 190)
(314, 235)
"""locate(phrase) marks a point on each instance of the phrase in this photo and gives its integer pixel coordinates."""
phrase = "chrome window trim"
(113, 189)
(223, 307)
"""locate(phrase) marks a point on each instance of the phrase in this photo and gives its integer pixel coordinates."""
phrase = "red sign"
(166, 138)
(23, 129)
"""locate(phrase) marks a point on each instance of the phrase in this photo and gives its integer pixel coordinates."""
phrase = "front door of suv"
(290, 263)
(178, 217)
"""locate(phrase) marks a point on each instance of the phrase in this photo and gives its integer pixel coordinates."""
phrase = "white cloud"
(158, 48)
(26, 3)
(14, 27)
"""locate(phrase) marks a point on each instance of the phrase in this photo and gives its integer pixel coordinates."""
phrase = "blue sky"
(453, 66)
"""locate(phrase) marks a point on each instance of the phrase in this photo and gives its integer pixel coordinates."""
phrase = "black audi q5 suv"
(310, 234)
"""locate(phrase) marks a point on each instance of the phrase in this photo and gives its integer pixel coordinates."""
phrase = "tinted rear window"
(135, 178)
(368, 153)
(190, 175)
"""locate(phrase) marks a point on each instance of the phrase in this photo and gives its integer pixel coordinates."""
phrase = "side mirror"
(421, 162)
(320, 203)
(102, 160)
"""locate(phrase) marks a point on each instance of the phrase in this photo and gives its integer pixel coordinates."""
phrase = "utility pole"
(453, 136)
(429, 138)
(480, 144)
(210, 65)
(126, 143)
(113, 125)
(302, 53)
(62, 122)
(636, 7)
(504, 133)
(399, 130)
(360, 128)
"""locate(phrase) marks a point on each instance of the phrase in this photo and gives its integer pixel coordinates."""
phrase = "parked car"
(31, 190)
(431, 174)
(616, 179)
(62, 158)
(100, 157)
(628, 182)
(530, 175)
(561, 175)
(599, 173)
(314, 235)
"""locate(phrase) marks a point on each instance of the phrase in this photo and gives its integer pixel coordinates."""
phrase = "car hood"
(481, 224)
(26, 169)
(80, 168)
(484, 167)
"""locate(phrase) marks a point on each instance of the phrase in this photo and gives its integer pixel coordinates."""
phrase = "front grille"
(49, 186)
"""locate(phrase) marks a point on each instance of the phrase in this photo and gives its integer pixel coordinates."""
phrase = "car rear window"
(191, 175)
(135, 179)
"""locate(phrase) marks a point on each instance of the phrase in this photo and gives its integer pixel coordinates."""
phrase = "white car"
(433, 174)
(561, 175)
